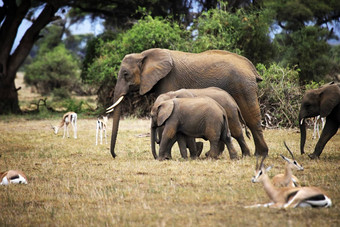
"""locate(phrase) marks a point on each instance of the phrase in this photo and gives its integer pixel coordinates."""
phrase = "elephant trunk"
(115, 125)
(153, 141)
(302, 124)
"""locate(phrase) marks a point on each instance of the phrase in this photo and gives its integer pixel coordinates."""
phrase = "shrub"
(279, 95)
(53, 70)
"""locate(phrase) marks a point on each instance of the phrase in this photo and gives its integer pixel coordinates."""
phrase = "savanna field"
(73, 182)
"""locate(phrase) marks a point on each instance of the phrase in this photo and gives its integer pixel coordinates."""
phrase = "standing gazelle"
(101, 126)
(287, 179)
(69, 117)
(13, 177)
(288, 197)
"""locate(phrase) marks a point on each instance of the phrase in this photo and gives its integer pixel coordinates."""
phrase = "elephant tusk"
(111, 108)
(301, 122)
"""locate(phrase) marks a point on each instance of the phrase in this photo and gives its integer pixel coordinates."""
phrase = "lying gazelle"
(288, 197)
(287, 179)
(101, 126)
(67, 118)
(13, 177)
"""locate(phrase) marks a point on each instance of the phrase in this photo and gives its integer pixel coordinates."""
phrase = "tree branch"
(31, 35)
(9, 28)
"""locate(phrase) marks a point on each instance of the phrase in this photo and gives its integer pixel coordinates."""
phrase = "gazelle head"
(260, 170)
(291, 162)
(55, 129)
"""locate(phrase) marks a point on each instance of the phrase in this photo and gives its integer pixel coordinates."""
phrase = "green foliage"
(74, 105)
(308, 49)
(243, 32)
(279, 95)
(54, 69)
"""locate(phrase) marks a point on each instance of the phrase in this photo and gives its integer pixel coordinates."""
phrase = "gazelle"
(288, 197)
(319, 122)
(101, 126)
(287, 179)
(69, 117)
(13, 177)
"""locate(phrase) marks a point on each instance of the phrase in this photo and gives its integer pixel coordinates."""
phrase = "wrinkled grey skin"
(199, 117)
(324, 101)
(221, 97)
(161, 70)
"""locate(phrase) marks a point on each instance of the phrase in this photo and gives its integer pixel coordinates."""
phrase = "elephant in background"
(324, 101)
(199, 117)
(221, 97)
(162, 70)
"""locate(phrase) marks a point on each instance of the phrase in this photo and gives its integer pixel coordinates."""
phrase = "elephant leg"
(167, 141)
(243, 145)
(231, 149)
(328, 132)
(214, 150)
(195, 148)
(252, 116)
(182, 144)
(236, 132)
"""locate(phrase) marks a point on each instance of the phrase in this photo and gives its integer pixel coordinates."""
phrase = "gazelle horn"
(290, 152)
(111, 108)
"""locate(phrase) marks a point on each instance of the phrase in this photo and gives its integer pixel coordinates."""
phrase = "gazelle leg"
(75, 128)
(105, 136)
(101, 134)
(97, 128)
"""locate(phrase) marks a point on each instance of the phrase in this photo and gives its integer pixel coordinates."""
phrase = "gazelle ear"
(269, 168)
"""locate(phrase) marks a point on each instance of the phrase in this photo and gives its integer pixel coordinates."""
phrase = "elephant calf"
(200, 117)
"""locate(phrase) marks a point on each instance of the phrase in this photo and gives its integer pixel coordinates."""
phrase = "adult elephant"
(324, 101)
(162, 70)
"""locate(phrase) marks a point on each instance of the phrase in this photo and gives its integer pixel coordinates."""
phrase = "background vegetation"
(285, 39)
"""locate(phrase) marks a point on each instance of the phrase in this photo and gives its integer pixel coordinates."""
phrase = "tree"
(12, 13)
(45, 73)
(306, 26)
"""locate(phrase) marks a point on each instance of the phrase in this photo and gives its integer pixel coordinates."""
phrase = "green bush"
(242, 32)
(53, 70)
(279, 95)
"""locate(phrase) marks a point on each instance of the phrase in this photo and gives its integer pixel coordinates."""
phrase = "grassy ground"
(73, 182)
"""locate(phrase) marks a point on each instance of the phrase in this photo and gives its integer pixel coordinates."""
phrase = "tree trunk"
(9, 102)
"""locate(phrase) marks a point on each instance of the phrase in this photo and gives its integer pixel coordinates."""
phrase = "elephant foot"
(163, 158)
(313, 156)
(210, 155)
(233, 156)
(199, 148)
(244, 154)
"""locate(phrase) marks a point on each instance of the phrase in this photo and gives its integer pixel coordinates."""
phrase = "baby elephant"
(199, 117)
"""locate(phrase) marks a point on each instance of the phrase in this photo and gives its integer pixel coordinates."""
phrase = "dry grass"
(73, 182)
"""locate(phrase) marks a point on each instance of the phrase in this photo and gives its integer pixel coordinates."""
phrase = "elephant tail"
(244, 123)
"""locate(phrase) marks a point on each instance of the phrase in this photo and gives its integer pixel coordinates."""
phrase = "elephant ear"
(329, 98)
(155, 66)
(164, 111)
